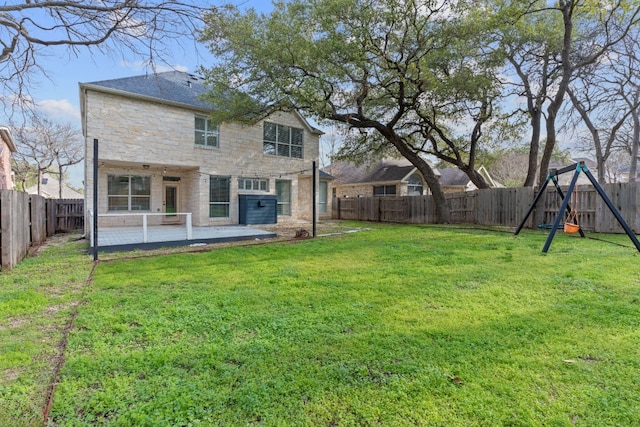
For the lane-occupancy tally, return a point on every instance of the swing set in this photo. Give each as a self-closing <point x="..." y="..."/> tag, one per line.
<point x="571" y="223"/>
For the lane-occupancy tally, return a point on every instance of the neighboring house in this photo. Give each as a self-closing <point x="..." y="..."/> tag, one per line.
<point x="159" y="153"/>
<point x="389" y="177"/>
<point x="50" y="189"/>
<point x="565" y="178"/>
<point x="7" y="146"/>
<point x="453" y="180"/>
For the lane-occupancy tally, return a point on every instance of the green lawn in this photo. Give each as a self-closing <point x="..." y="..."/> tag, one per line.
<point x="394" y="326"/>
<point x="37" y="299"/>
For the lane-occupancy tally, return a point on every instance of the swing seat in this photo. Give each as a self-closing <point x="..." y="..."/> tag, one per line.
<point x="571" y="228"/>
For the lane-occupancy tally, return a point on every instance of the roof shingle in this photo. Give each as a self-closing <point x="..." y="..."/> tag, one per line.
<point x="174" y="86"/>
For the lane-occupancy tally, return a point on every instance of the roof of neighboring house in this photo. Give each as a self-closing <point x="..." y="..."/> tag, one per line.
<point x="49" y="188"/>
<point x="453" y="176"/>
<point x="324" y="175"/>
<point x="5" y="134"/>
<point x="174" y="87"/>
<point x="387" y="170"/>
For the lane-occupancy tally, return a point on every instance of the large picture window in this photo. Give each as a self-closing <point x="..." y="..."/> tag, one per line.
<point x="219" y="197"/>
<point x="281" y="140"/>
<point x="206" y="133"/>
<point x="129" y="193"/>
<point x="283" y="194"/>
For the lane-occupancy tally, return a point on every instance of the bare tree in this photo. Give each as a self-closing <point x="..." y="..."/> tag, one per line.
<point x="28" y="29"/>
<point x="43" y="144"/>
<point x="605" y="95"/>
<point x="586" y="37"/>
<point x="548" y="44"/>
<point x="69" y="152"/>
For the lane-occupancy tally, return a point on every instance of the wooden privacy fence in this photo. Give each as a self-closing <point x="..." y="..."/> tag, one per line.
<point x="64" y="215"/>
<point x="27" y="220"/>
<point x="501" y="206"/>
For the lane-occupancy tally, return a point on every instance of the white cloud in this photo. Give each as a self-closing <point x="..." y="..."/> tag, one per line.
<point x="59" y="108"/>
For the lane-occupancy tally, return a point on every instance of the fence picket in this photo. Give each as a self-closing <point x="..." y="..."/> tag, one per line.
<point x="501" y="206"/>
<point x="27" y="220"/>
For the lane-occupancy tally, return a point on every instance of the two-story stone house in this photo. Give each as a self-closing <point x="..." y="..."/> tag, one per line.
<point x="159" y="153"/>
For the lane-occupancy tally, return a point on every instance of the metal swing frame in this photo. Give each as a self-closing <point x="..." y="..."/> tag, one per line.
<point x="564" y="206"/>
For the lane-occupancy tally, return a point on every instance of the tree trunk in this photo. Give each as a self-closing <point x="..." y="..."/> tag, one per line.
<point x="442" y="215"/>
<point x="39" y="182"/>
<point x="59" y="182"/>
<point x="477" y="178"/>
<point x="549" y="145"/>
<point x="534" y="147"/>
<point x="635" y="141"/>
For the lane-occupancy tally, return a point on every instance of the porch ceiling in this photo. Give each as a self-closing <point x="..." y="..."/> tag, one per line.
<point x="147" y="165"/>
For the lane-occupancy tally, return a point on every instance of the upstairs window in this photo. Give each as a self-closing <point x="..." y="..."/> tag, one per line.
<point x="206" y="133"/>
<point x="414" y="186"/>
<point x="281" y="140"/>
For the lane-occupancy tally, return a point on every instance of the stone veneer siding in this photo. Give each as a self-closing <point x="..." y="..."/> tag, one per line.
<point x="134" y="132"/>
<point x="366" y="190"/>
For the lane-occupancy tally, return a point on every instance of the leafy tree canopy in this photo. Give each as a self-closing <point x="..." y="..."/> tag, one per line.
<point x="396" y="72"/>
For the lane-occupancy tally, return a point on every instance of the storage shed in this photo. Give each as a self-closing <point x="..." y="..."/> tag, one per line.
<point x="258" y="209"/>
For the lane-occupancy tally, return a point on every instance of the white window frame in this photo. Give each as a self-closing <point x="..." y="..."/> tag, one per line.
<point x="283" y="203"/>
<point x="210" y="135"/>
<point x="413" y="183"/>
<point x="323" y="196"/>
<point x="253" y="184"/>
<point x="223" y="203"/>
<point x="130" y="196"/>
<point x="282" y="141"/>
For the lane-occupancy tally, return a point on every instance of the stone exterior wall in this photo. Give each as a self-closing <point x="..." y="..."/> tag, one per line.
<point x="366" y="190"/>
<point x="139" y="137"/>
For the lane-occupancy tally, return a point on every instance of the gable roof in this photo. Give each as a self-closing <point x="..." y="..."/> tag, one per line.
<point x="324" y="175"/>
<point x="170" y="87"/>
<point x="387" y="170"/>
<point x="50" y="189"/>
<point x="453" y="176"/>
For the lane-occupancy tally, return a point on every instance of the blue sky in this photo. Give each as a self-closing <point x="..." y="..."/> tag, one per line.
<point x="58" y="96"/>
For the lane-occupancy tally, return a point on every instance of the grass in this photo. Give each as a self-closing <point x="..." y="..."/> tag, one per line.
<point x="397" y="325"/>
<point x="36" y="302"/>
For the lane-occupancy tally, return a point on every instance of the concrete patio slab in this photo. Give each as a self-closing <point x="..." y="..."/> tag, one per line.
<point x="130" y="238"/>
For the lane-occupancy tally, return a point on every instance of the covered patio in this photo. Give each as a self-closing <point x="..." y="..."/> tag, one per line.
<point x="117" y="239"/>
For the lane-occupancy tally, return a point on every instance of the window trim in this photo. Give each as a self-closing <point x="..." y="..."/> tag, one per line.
<point x="283" y="206"/>
<point x="276" y="145"/>
<point x="208" y="133"/>
<point x="412" y="186"/>
<point x="384" y="190"/>
<point x="129" y="194"/>
<point x="322" y="205"/>
<point x="242" y="184"/>
<point x="226" y="203"/>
